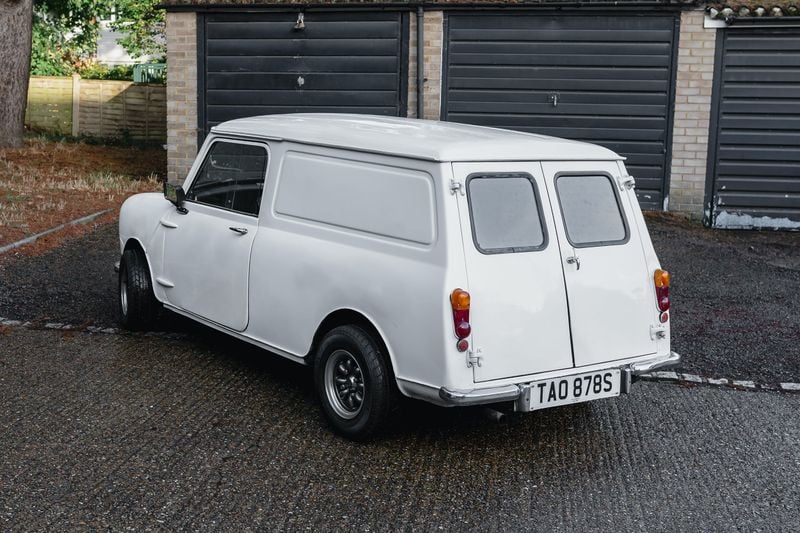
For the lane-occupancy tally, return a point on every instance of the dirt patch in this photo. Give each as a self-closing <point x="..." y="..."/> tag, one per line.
<point x="46" y="183"/>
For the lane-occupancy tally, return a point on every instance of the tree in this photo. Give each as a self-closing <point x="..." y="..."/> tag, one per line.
<point x="64" y="34"/>
<point x="15" y="64"/>
<point x="142" y="24"/>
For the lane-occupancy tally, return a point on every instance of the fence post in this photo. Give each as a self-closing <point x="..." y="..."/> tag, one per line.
<point x="76" y="103"/>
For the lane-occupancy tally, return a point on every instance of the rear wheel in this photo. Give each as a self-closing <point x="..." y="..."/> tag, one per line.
<point x="353" y="382"/>
<point x="138" y="307"/>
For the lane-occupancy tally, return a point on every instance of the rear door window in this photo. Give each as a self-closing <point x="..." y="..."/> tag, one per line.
<point x="591" y="210"/>
<point x="506" y="213"/>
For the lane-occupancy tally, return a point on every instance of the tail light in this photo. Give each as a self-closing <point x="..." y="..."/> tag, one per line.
<point x="459" y="301"/>
<point x="661" y="281"/>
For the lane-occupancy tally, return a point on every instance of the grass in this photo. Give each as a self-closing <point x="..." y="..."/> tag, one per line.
<point x="48" y="182"/>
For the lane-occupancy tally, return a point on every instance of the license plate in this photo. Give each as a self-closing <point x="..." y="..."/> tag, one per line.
<point x="575" y="389"/>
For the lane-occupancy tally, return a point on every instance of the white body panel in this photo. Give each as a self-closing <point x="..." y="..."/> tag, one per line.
<point x="611" y="296"/>
<point x="206" y="264"/>
<point x="318" y="248"/>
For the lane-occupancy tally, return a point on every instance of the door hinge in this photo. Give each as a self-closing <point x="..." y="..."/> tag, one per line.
<point x="474" y="358"/>
<point x="658" y="332"/>
<point x="456" y="186"/>
<point x="626" y="182"/>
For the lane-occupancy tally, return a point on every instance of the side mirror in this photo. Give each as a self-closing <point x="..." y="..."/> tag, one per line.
<point x="175" y="194"/>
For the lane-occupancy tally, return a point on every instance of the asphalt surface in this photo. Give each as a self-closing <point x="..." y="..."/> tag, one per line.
<point x="735" y="295"/>
<point x="140" y="432"/>
<point x="735" y="300"/>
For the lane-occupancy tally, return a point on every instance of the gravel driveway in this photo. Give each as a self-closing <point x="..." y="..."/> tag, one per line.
<point x="736" y="295"/>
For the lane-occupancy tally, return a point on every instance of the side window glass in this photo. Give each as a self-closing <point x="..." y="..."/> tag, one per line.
<point x="592" y="214"/>
<point x="231" y="177"/>
<point x="505" y="212"/>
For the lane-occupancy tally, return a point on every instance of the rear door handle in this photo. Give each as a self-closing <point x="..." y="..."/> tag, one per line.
<point x="240" y="231"/>
<point x="574" y="260"/>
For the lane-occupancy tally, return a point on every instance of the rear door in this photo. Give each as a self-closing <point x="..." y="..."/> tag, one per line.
<point x="610" y="290"/>
<point x="518" y="313"/>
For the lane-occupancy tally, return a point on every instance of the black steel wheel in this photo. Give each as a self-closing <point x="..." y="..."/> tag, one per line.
<point x="353" y="382"/>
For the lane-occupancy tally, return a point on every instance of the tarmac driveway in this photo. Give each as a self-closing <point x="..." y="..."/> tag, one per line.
<point x="736" y="295"/>
<point x="118" y="432"/>
<point x="190" y="429"/>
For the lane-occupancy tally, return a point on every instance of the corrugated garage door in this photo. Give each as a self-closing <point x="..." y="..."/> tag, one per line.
<point x="755" y="153"/>
<point x="258" y="63"/>
<point x="601" y="79"/>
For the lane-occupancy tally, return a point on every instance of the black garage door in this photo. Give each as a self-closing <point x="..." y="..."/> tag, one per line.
<point x="601" y="79"/>
<point x="755" y="142"/>
<point x="259" y="63"/>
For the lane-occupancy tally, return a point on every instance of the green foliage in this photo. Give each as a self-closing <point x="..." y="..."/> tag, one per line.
<point x="47" y="58"/>
<point x="96" y="71"/>
<point x="64" y="34"/>
<point x="142" y="25"/>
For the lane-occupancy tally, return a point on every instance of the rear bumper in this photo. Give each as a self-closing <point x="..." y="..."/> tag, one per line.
<point x="511" y="393"/>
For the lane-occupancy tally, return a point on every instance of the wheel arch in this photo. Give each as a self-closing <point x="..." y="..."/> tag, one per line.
<point x="347" y="316"/>
<point x="133" y="243"/>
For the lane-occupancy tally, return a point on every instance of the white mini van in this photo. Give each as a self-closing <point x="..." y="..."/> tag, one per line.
<point x="455" y="264"/>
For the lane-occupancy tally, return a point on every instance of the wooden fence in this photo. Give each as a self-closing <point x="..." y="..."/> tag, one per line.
<point x="97" y="108"/>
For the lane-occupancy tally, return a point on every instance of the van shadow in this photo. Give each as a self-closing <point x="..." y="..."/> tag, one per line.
<point x="414" y="420"/>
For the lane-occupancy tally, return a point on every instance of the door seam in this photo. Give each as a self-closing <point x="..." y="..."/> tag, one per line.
<point x="561" y="261"/>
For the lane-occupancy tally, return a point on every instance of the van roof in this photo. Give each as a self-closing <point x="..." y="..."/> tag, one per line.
<point x="418" y="139"/>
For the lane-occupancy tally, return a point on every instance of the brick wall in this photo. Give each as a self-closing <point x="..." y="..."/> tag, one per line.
<point x="181" y="94"/>
<point x="433" y="30"/>
<point x="692" y="114"/>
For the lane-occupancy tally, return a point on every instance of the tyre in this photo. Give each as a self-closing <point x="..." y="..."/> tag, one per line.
<point x="138" y="307"/>
<point x="354" y="382"/>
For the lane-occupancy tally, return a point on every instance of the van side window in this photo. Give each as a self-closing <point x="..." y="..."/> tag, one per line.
<point x="591" y="210"/>
<point x="505" y="212"/>
<point x="231" y="177"/>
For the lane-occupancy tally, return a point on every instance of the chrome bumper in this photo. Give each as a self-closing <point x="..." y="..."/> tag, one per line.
<point x="510" y="393"/>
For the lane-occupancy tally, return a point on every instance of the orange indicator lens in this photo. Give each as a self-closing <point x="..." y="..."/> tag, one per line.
<point x="459" y="299"/>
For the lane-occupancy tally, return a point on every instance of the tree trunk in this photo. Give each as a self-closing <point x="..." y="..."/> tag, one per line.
<point x="16" y="17"/>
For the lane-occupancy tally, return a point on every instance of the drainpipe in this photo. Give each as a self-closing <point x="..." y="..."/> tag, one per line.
<point x="420" y="63"/>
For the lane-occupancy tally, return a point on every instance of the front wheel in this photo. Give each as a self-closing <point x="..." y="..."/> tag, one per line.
<point x="353" y="382"/>
<point x="138" y="306"/>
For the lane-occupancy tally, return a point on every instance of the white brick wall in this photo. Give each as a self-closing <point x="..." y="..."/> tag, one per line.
<point x="696" y="48"/>
<point x="181" y="94"/>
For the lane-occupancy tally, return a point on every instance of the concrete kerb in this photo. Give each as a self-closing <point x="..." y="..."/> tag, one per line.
<point x="33" y="238"/>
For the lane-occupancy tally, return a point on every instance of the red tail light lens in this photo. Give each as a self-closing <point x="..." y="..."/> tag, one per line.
<point x="661" y="281"/>
<point x="459" y="301"/>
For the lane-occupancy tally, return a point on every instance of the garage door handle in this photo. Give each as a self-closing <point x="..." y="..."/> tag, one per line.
<point x="574" y="260"/>
<point x="240" y="231"/>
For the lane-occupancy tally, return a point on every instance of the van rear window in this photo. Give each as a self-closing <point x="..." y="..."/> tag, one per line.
<point x="506" y="214"/>
<point x="591" y="210"/>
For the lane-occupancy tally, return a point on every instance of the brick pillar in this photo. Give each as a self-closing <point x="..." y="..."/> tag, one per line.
<point x="181" y="94"/>
<point x="412" y="66"/>
<point x="433" y="29"/>
<point x="696" y="49"/>
<point x="434" y="40"/>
